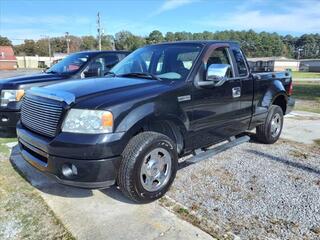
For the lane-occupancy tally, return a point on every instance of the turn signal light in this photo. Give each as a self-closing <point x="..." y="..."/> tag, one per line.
<point x="107" y="119"/>
<point x="19" y="95"/>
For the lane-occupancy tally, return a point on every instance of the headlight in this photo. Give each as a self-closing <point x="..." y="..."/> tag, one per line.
<point x="11" y="96"/>
<point x="88" y="121"/>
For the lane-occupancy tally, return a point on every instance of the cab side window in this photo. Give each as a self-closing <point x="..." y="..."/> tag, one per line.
<point x="221" y="56"/>
<point x="241" y="64"/>
<point x="101" y="65"/>
<point x="175" y="64"/>
<point x="110" y="61"/>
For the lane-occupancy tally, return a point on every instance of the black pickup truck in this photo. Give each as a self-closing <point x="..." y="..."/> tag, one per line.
<point x="160" y="103"/>
<point x="77" y="65"/>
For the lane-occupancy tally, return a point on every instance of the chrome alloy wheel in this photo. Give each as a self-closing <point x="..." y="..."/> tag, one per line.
<point x="276" y="125"/>
<point x="156" y="169"/>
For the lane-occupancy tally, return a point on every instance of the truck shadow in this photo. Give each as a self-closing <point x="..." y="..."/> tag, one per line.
<point x="115" y="193"/>
<point x="47" y="185"/>
<point x="304" y="167"/>
<point x="8" y="133"/>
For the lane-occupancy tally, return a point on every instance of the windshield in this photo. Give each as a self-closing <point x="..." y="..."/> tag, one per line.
<point x="70" y="64"/>
<point x="170" y="62"/>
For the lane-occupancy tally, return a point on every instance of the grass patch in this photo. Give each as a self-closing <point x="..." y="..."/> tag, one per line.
<point x="317" y="141"/>
<point x="307" y="105"/>
<point x="299" y="154"/>
<point x="306" y="91"/>
<point x="307" y="95"/>
<point x="23" y="213"/>
<point x="305" y="74"/>
<point x="3" y="148"/>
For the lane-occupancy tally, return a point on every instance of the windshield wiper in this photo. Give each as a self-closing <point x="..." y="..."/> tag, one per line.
<point x="51" y="71"/>
<point x="141" y="75"/>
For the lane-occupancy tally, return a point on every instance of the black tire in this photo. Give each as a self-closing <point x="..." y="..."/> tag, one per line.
<point x="133" y="157"/>
<point x="264" y="132"/>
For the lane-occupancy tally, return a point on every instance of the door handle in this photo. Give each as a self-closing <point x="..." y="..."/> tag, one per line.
<point x="236" y="92"/>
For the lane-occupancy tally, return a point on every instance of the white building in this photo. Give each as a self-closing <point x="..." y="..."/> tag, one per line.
<point x="37" y="61"/>
<point x="271" y="64"/>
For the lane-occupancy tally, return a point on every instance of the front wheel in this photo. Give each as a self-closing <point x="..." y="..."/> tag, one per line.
<point x="270" y="131"/>
<point x="148" y="167"/>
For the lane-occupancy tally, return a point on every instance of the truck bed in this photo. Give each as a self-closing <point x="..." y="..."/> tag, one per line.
<point x="285" y="77"/>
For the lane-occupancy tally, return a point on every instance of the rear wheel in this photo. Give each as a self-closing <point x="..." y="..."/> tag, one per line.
<point x="148" y="167"/>
<point x="270" y="131"/>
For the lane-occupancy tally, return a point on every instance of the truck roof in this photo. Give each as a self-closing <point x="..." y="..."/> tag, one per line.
<point x="107" y="51"/>
<point x="202" y="42"/>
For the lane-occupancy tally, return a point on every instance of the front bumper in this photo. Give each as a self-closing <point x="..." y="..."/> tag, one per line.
<point x="290" y="104"/>
<point x="78" y="172"/>
<point x="9" y="119"/>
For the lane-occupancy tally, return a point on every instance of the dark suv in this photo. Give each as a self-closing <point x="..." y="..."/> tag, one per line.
<point x="77" y="65"/>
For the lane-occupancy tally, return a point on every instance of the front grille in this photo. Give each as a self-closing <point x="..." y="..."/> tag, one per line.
<point x="41" y="115"/>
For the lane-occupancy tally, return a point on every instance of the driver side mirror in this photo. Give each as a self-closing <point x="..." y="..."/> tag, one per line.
<point x="216" y="75"/>
<point x="45" y="69"/>
<point x="93" y="70"/>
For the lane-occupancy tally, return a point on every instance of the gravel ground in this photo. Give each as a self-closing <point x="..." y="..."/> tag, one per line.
<point x="255" y="191"/>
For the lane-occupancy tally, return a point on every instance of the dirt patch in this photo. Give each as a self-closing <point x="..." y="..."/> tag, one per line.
<point x="191" y="216"/>
<point x="308" y="105"/>
<point x="317" y="141"/>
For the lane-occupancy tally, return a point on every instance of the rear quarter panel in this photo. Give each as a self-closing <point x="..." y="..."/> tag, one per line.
<point x="267" y="87"/>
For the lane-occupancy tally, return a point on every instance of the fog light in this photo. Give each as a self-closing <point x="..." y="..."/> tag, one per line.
<point x="69" y="170"/>
<point x="4" y="119"/>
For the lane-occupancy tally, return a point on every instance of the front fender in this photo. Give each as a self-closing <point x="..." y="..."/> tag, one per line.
<point x="153" y="112"/>
<point x="135" y="116"/>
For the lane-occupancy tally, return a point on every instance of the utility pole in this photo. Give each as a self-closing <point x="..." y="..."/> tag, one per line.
<point x="299" y="52"/>
<point x="99" y="30"/>
<point x="68" y="42"/>
<point x="49" y="43"/>
<point x="49" y="47"/>
<point x="113" y="44"/>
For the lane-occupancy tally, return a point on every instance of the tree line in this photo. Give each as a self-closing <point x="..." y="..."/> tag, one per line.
<point x="254" y="44"/>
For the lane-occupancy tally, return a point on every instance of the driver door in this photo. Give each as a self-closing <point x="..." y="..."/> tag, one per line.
<point x="216" y="108"/>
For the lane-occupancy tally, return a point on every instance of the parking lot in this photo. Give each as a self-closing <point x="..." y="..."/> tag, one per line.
<point x="18" y="72"/>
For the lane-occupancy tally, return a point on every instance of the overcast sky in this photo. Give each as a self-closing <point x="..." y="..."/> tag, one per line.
<point x="21" y="19"/>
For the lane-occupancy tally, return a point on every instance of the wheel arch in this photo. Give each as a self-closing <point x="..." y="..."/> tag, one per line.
<point x="146" y="118"/>
<point x="281" y="100"/>
<point x="171" y="127"/>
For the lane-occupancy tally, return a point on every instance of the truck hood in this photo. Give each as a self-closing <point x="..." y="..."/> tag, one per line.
<point x="90" y="88"/>
<point x="27" y="79"/>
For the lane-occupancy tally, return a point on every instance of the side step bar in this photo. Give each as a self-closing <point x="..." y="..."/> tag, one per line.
<point x="200" y="155"/>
